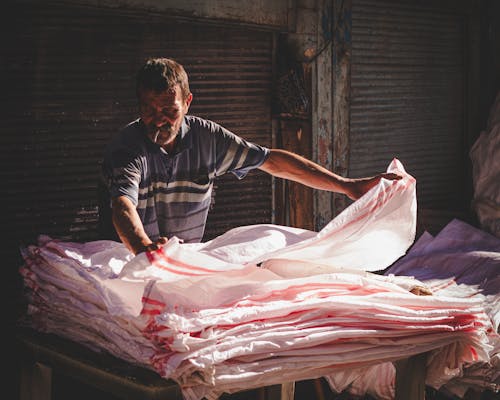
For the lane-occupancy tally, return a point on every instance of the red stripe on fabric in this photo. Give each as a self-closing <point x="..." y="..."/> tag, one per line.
<point x="150" y="256"/>
<point x="474" y="353"/>
<point x="158" y="265"/>
<point x="150" y="312"/>
<point x="179" y="263"/>
<point x="158" y="257"/>
<point x="444" y="285"/>
<point x="375" y="202"/>
<point x="148" y="300"/>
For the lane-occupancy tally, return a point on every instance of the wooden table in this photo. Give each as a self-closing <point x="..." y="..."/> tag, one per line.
<point x="41" y="354"/>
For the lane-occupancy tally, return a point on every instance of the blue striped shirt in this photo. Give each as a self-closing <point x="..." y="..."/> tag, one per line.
<point x="172" y="191"/>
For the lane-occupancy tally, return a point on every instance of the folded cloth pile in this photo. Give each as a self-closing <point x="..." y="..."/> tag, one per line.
<point x="461" y="262"/>
<point x="66" y="296"/>
<point x="262" y="304"/>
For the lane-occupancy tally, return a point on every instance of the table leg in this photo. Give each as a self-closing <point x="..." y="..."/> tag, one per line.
<point x="35" y="382"/>
<point x="410" y="377"/>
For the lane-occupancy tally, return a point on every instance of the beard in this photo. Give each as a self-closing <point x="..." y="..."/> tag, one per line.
<point x="163" y="134"/>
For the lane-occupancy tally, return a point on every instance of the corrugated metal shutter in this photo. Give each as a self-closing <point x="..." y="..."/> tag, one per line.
<point x="407" y="82"/>
<point x="71" y="86"/>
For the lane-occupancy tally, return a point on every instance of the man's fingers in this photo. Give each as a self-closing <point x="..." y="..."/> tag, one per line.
<point x="152" y="247"/>
<point x="156" y="245"/>
<point x="162" y="240"/>
<point x="391" y="176"/>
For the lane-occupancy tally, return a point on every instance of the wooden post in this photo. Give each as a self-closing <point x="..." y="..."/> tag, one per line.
<point x="341" y="87"/>
<point x="287" y="391"/>
<point x="410" y="377"/>
<point x="296" y="137"/>
<point x="322" y="111"/>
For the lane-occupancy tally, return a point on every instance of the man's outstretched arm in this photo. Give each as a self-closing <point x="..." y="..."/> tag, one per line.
<point x="291" y="166"/>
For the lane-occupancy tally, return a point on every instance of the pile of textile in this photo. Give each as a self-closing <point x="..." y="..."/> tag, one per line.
<point x="462" y="262"/>
<point x="485" y="157"/>
<point x="266" y="304"/>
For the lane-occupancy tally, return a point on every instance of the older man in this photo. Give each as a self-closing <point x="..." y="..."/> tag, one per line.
<point x="160" y="169"/>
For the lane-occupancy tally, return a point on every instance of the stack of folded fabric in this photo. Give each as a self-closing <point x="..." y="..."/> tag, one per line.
<point x="271" y="330"/>
<point x="462" y="262"/>
<point x="262" y="304"/>
<point x="63" y="282"/>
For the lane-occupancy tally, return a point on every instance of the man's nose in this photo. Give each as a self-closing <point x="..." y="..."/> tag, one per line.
<point x="163" y="118"/>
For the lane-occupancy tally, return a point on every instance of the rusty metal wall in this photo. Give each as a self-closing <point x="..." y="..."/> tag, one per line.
<point x="272" y="14"/>
<point x="408" y="91"/>
<point x="71" y="86"/>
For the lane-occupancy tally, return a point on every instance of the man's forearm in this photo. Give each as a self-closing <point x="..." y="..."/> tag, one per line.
<point x="129" y="226"/>
<point x="291" y="166"/>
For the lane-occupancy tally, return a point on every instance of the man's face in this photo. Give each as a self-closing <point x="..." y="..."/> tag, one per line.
<point x="163" y="113"/>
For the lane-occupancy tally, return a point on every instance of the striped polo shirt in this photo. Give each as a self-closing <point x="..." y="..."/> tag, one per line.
<point x="172" y="191"/>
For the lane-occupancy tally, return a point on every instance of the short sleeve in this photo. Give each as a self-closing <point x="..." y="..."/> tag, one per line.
<point x="237" y="155"/>
<point x="122" y="174"/>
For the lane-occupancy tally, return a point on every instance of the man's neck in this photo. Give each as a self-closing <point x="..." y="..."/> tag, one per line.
<point x="169" y="147"/>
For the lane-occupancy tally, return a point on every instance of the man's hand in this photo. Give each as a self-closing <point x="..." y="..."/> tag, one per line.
<point x="355" y="188"/>
<point x="129" y="227"/>
<point x="154" y="245"/>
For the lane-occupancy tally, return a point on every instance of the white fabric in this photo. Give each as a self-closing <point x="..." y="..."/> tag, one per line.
<point x="368" y="236"/>
<point x="485" y="157"/>
<point x="462" y="262"/>
<point x="208" y="317"/>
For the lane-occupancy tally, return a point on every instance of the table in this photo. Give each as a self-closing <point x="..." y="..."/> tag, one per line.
<point x="41" y="354"/>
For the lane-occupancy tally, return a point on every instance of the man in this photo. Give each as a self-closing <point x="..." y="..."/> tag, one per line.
<point x="160" y="169"/>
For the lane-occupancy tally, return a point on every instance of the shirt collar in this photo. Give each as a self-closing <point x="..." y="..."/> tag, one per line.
<point x="183" y="140"/>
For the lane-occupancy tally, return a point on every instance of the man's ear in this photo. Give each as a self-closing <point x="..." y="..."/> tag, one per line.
<point x="189" y="100"/>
